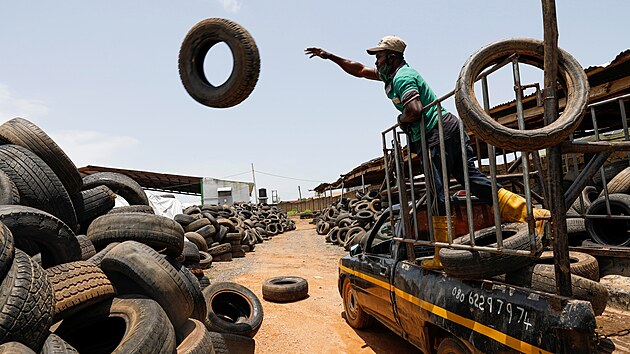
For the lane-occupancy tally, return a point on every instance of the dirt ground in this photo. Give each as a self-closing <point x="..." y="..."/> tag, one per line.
<point x="312" y="325"/>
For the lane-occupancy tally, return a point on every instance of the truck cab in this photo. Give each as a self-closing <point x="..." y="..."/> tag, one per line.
<point x="442" y="314"/>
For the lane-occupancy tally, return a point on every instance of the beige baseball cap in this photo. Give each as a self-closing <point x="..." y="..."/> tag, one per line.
<point x="393" y="43"/>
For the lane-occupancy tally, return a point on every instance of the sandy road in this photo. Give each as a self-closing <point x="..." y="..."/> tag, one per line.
<point x="312" y="325"/>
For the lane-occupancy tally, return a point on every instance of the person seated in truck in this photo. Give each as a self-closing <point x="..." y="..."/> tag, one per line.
<point x="410" y="93"/>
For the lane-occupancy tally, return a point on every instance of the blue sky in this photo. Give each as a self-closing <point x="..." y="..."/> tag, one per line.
<point x="101" y="78"/>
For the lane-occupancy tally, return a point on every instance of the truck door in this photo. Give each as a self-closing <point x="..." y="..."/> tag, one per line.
<point x="376" y="267"/>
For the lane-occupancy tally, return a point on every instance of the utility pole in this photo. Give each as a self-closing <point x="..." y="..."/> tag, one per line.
<point x="254" y="179"/>
<point x="299" y="193"/>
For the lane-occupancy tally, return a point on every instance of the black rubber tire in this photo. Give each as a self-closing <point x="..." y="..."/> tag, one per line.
<point x="620" y="183"/>
<point x="120" y="184"/>
<point x="341" y="235"/>
<point x="197" y="224"/>
<point x="56" y="345"/>
<point x="576" y="227"/>
<point x="93" y="203"/>
<point x="609" y="232"/>
<point x="333" y="235"/>
<point x="9" y="193"/>
<point x="468" y="264"/>
<point x="200" y="308"/>
<point x="285" y="289"/>
<point x="220" y="249"/>
<point x="125" y="324"/>
<point x="581" y="264"/>
<point x="353" y="237"/>
<point x="196" y="338"/>
<point x="353" y="313"/>
<point x="156" y="231"/>
<point x="20" y="131"/>
<point x="53" y="238"/>
<point x="15" y="348"/>
<point x="610" y="171"/>
<point x="225" y="343"/>
<point x="87" y="248"/>
<point x="364" y="216"/>
<point x="190" y="252"/>
<point x="198" y="240"/>
<point x="7" y="250"/>
<point x="246" y="64"/>
<point x="135" y="268"/>
<point x="207" y="231"/>
<point x="77" y="285"/>
<point x="539" y="277"/>
<point x="98" y="257"/>
<point x="37" y="184"/>
<point x="205" y="260"/>
<point x="146" y="209"/>
<point x="204" y="282"/>
<point x="225" y="257"/>
<point x="589" y="194"/>
<point x="233" y="308"/>
<point x="451" y="345"/>
<point x="530" y="51"/>
<point x="184" y="219"/>
<point x="26" y="303"/>
<point x="272" y="229"/>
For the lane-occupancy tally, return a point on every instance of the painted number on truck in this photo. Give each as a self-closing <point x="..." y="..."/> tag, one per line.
<point x="513" y="313"/>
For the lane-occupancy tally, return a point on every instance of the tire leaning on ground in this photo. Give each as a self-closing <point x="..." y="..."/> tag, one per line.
<point x="26" y="303"/>
<point x="609" y="232"/>
<point x="530" y="51"/>
<point x="468" y="264"/>
<point x="246" y="63"/>
<point x="233" y="309"/>
<point x="125" y="324"/>
<point x="354" y="314"/>
<point x="285" y="289"/>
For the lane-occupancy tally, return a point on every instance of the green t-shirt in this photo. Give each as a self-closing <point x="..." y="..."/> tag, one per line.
<point x="406" y="85"/>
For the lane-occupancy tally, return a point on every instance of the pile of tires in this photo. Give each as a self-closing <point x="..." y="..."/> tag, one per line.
<point x="345" y="223"/>
<point x="220" y="232"/>
<point x="123" y="285"/>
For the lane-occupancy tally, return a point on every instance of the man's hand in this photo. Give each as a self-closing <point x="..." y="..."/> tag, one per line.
<point x="316" y="52"/>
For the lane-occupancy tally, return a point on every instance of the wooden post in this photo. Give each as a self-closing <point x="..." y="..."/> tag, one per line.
<point x="558" y="224"/>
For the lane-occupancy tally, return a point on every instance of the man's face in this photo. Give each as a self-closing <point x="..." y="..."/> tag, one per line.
<point x="381" y="58"/>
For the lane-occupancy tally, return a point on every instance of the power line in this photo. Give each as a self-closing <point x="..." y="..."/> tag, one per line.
<point x="297" y="179"/>
<point x="238" y="174"/>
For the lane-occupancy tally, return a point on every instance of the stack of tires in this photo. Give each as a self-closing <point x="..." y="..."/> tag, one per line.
<point x="118" y="287"/>
<point x="346" y="222"/>
<point x="221" y="233"/>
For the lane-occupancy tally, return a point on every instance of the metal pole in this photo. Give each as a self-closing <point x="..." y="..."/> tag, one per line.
<point x="445" y="176"/>
<point x="493" y="170"/>
<point x="254" y="178"/>
<point x="624" y="122"/>
<point x="299" y="193"/>
<point x="558" y="208"/>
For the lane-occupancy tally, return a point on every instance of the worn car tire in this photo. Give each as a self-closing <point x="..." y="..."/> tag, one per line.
<point x="530" y="51"/>
<point x="196" y="338"/>
<point x="220" y="249"/>
<point x="9" y="193"/>
<point x="54" y="239"/>
<point x="581" y="264"/>
<point x="37" y="184"/>
<point x="26" y="303"/>
<point x="198" y="240"/>
<point x="246" y="65"/>
<point x="124" y="324"/>
<point x="135" y="268"/>
<point x="233" y="308"/>
<point x="605" y="231"/>
<point x="146" y="209"/>
<point x="225" y="343"/>
<point x="7" y="250"/>
<point x="77" y="285"/>
<point x="468" y="264"/>
<point x="93" y="203"/>
<point x="15" y="348"/>
<point x="120" y="184"/>
<point x="20" y="131"/>
<point x="56" y="345"/>
<point x="156" y="231"/>
<point x="285" y="289"/>
<point x="87" y="248"/>
<point x="620" y="183"/>
<point x="98" y="257"/>
<point x="540" y="277"/>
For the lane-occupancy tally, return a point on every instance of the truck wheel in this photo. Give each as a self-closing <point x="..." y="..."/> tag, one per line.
<point x="469" y="264"/>
<point x="452" y="345"/>
<point x="192" y="53"/>
<point x="355" y="316"/>
<point x="530" y="51"/>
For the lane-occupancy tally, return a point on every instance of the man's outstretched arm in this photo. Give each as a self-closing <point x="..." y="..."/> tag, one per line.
<point x="351" y="67"/>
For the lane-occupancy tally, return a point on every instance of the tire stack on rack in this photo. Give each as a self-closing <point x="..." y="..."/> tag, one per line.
<point x="119" y="287"/>
<point x="346" y="222"/>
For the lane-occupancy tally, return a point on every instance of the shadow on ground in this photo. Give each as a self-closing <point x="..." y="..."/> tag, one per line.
<point x="383" y="341"/>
